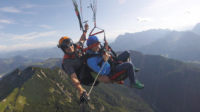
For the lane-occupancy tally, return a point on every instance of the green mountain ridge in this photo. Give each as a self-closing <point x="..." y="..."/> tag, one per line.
<point x="50" y="90"/>
<point x="170" y="85"/>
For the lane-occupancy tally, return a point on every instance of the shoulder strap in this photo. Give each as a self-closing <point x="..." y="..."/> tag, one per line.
<point x="92" y="55"/>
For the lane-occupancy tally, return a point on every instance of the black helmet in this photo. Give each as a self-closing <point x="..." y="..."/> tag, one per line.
<point x="65" y="42"/>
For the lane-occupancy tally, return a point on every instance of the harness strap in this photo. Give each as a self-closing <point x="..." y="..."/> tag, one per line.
<point x="78" y="14"/>
<point x="67" y="56"/>
<point x="96" y="33"/>
<point x="117" y="74"/>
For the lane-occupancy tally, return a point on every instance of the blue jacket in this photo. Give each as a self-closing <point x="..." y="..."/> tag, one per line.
<point x="94" y="61"/>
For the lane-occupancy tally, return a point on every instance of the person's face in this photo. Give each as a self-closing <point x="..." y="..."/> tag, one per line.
<point x="96" y="48"/>
<point x="70" y="49"/>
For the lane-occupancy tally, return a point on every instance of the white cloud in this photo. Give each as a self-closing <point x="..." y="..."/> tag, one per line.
<point x="5" y="21"/>
<point x="27" y="6"/>
<point x="34" y="35"/>
<point x="171" y="14"/>
<point x="13" y="42"/>
<point x="10" y="10"/>
<point x="6" y="36"/>
<point x="121" y="1"/>
<point x="142" y="19"/>
<point x="26" y="46"/>
<point x="187" y="12"/>
<point x="45" y="26"/>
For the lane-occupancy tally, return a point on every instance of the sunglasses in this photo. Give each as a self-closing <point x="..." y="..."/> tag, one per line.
<point x="68" y="43"/>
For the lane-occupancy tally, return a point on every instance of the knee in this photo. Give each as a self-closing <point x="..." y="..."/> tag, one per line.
<point x="129" y="65"/>
<point x="124" y="56"/>
<point x="127" y="52"/>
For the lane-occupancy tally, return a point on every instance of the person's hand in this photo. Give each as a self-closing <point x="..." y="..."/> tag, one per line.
<point x="81" y="91"/>
<point x="84" y="97"/>
<point x="83" y="36"/>
<point x="86" y="26"/>
<point x="106" y="56"/>
<point x="106" y="45"/>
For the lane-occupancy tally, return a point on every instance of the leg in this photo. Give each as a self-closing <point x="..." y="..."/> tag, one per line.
<point x="131" y="74"/>
<point x="124" y="56"/>
<point x="128" y="67"/>
<point x="104" y="79"/>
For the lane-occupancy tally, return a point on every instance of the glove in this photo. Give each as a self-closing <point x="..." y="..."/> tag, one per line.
<point x="84" y="97"/>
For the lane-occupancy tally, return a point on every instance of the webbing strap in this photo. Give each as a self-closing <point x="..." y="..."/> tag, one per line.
<point x="117" y="74"/>
<point x="96" y="33"/>
<point x="101" y="31"/>
<point x="66" y="56"/>
<point x="78" y="14"/>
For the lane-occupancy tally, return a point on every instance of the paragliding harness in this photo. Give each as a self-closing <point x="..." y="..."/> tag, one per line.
<point x="84" y="74"/>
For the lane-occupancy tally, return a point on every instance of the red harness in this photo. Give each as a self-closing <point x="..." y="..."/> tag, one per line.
<point x="117" y="75"/>
<point x="67" y="56"/>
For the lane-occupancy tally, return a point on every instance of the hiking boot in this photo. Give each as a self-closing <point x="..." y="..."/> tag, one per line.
<point x="138" y="85"/>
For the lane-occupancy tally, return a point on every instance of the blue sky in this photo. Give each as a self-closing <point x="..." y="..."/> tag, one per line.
<point x="27" y="24"/>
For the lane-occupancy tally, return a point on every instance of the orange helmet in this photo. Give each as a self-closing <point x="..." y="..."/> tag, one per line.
<point x="65" y="42"/>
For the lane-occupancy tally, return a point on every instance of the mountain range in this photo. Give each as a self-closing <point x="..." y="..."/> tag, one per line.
<point x="133" y="41"/>
<point x="170" y="86"/>
<point x="40" y="53"/>
<point x="9" y="64"/>
<point x="177" y="45"/>
<point x="181" y="45"/>
<point x="196" y="29"/>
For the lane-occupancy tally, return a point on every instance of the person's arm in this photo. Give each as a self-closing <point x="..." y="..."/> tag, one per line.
<point x="93" y="64"/>
<point x="77" y="83"/>
<point x="70" y="71"/>
<point x="83" y="36"/>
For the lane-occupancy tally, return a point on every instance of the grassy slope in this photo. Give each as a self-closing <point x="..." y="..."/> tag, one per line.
<point x="51" y="91"/>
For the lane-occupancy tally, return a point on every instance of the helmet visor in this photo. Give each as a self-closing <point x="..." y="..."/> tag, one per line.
<point x="67" y="43"/>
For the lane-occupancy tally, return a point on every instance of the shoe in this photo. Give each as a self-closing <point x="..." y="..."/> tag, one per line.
<point x="138" y="85"/>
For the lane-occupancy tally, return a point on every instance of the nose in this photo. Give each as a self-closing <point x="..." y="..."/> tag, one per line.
<point x="72" y="48"/>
